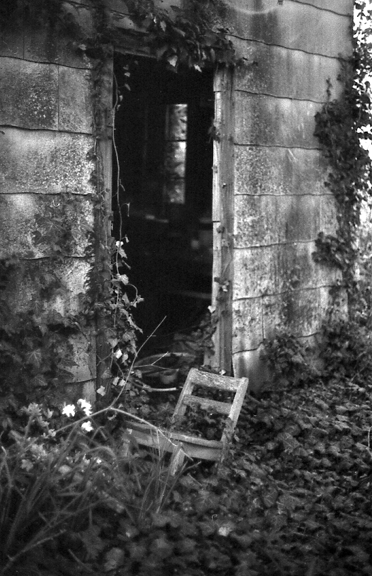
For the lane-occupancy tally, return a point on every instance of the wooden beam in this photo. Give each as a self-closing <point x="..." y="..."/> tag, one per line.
<point x="223" y="216"/>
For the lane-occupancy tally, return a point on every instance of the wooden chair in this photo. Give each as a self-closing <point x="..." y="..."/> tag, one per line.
<point x="183" y="445"/>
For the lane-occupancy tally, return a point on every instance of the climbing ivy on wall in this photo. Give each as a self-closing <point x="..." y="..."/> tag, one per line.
<point x="341" y="126"/>
<point x="185" y="37"/>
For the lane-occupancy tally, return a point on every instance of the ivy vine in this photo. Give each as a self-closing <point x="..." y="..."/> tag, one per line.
<point x="185" y="36"/>
<point x="341" y="127"/>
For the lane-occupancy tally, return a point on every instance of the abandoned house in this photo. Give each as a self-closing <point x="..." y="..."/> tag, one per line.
<point x="214" y="175"/>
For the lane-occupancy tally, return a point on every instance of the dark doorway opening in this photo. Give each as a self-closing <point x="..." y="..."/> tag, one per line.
<point x="163" y="140"/>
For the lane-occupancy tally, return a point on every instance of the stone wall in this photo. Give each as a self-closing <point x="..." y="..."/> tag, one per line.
<point x="46" y="147"/>
<point x="280" y="201"/>
<point x="269" y="201"/>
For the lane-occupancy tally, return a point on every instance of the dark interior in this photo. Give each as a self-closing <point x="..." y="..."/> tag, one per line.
<point x="165" y="157"/>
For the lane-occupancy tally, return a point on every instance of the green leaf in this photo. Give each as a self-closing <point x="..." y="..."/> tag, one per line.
<point x="92" y="542"/>
<point x="161" y="548"/>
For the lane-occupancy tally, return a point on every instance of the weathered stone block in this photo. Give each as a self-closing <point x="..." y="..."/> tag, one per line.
<point x="269" y="270"/>
<point x="74" y="391"/>
<point x="297" y="218"/>
<point x="332" y="304"/>
<point x="291" y="25"/>
<point x="328" y="214"/>
<point x="11" y="42"/>
<point x="251" y="364"/>
<point x="277" y="71"/>
<point x="83" y="356"/>
<point x="294" y="311"/>
<point x="29" y="94"/>
<point x="261" y="170"/>
<point x="254" y="272"/>
<point x="31" y="225"/>
<point x="64" y="282"/>
<point x="327" y="275"/>
<point x="69" y="53"/>
<point x="45" y="162"/>
<point x="264" y="220"/>
<point x="294" y="267"/>
<point x="51" y="44"/>
<point x="75" y="100"/>
<point x="268" y="121"/>
<point x="41" y="44"/>
<point x="255" y="221"/>
<point x="247" y="324"/>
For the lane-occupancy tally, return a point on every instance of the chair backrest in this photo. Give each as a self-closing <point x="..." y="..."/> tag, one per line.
<point x="196" y="377"/>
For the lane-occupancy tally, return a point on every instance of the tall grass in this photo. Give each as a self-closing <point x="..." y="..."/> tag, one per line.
<point x="49" y="487"/>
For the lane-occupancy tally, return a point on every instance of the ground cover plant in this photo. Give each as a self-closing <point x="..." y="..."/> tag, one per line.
<point x="293" y="497"/>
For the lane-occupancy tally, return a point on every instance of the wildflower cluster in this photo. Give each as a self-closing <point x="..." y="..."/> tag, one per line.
<point x="83" y="409"/>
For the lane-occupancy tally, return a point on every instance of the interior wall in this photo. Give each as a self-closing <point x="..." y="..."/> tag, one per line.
<point x="46" y="147"/>
<point x="280" y="201"/>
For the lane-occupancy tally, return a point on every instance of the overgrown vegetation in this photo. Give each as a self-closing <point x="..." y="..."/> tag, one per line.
<point x="63" y="477"/>
<point x="78" y="497"/>
<point x="341" y="126"/>
<point x="292" y="498"/>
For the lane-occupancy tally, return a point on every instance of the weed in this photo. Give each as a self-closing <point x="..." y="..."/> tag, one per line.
<point x="53" y="483"/>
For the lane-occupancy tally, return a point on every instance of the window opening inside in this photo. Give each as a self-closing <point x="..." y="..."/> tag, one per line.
<point x="165" y="155"/>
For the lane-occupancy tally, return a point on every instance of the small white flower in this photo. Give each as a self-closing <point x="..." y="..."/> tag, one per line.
<point x="101" y="391"/>
<point x="69" y="410"/>
<point x="38" y="451"/>
<point x="225" y="529"/>
<point x="32" y="409"/>
<point x="85" y="406"/>
<point x="64" y="469"/>
<point x="87" y="426"/>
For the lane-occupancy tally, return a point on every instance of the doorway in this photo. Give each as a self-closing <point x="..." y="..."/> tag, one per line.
<point x="164" y="151"/>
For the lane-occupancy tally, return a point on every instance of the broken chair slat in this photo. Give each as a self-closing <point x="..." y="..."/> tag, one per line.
<point x="211" y="380"/>
<point x="206" y="403"/>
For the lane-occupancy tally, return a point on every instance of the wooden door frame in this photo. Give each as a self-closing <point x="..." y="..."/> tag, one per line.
<point x="222" y="208"/>
<point x="223" y="216"/>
